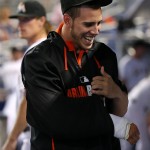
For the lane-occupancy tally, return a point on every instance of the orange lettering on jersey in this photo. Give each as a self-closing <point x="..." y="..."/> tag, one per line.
<point x="82" y="91"/>
<point x="77" y="92"/>
<point x="69" y="93"/>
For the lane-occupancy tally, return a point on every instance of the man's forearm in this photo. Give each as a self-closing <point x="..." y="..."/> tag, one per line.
<point x="120" y="104"/>
<point x="19" y="126"/>
<point x="21" y="122"/>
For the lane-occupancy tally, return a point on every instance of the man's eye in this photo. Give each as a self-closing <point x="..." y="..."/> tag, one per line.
<point x="88" y="24"/>
<point x="99" y="23"/>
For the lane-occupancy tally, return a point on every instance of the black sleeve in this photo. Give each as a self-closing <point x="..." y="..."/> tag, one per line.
<point x="52" y="112"/>
<point x="109" y="60"/>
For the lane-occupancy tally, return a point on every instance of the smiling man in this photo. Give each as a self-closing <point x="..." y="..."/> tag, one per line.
<point x="72" y="83"/>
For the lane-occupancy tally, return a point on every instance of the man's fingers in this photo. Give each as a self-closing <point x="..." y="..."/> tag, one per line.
<point x="134" y="134"/>
<point x="133" y="139"/>
<point x="103" y="73"/>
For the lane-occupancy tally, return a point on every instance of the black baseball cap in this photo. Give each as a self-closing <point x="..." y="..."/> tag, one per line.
<point x="67" y="4"/>
<point x="29" y="9"/>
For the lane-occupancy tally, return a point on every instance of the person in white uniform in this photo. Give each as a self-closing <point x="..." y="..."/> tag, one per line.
<point x="9" y="73"/>
<point x="134" y="66"/>
<point x="138" y="111"/>
<point x="34" y="27"/>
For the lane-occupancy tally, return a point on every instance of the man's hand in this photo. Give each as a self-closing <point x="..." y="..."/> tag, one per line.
<point x="134" y="134"/>
<point x="104" y="85"/>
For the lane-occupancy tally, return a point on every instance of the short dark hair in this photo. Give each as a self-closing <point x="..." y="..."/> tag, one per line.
<point x="140" y="42"/>
<point x="74" y="12"/>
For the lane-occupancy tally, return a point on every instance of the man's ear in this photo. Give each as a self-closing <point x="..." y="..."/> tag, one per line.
<point x="67" y="20"/>
<point x="42" y="20"/>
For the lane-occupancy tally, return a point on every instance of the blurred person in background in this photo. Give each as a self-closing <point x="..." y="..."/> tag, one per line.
<point x="34" y="27"/>
<point x="2" y="94"/>
<point x="9" y="73"/>
<point x="134" y="66"/>
<point x="56" y="16"/>
<point x="138" y="112"/>
<point x="8" y="30"/>
<point x="148" y="122"/>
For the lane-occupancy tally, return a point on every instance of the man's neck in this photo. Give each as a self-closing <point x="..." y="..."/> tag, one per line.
<point x="65" y="33"/>
<point x="36" y="38"/>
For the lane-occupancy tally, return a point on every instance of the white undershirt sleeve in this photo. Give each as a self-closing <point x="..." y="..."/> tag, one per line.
<point x="121" y="127"/>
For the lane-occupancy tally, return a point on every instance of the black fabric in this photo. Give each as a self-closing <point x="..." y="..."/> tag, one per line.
<point x="40" y="141"/>
<point x="29" y="9"/>
<point x="67" y="4"/>
<point x="51" y="113"/>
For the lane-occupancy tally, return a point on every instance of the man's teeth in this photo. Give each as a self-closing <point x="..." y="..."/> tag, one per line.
<point x="89" y="38"/>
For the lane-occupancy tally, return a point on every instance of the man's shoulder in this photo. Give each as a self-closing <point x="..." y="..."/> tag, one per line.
<point x="104" y="50"/>
<point x="48" y="46"/>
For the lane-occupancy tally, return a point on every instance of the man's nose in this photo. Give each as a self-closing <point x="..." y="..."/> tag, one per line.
<point x="95" y="30"/>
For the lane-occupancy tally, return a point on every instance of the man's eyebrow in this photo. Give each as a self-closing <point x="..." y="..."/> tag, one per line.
<point x="92" y="23"/>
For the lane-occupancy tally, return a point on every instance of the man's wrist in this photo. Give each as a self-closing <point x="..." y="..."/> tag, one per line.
<point x="121" y="126"/>
<point x="127" y="131"/>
